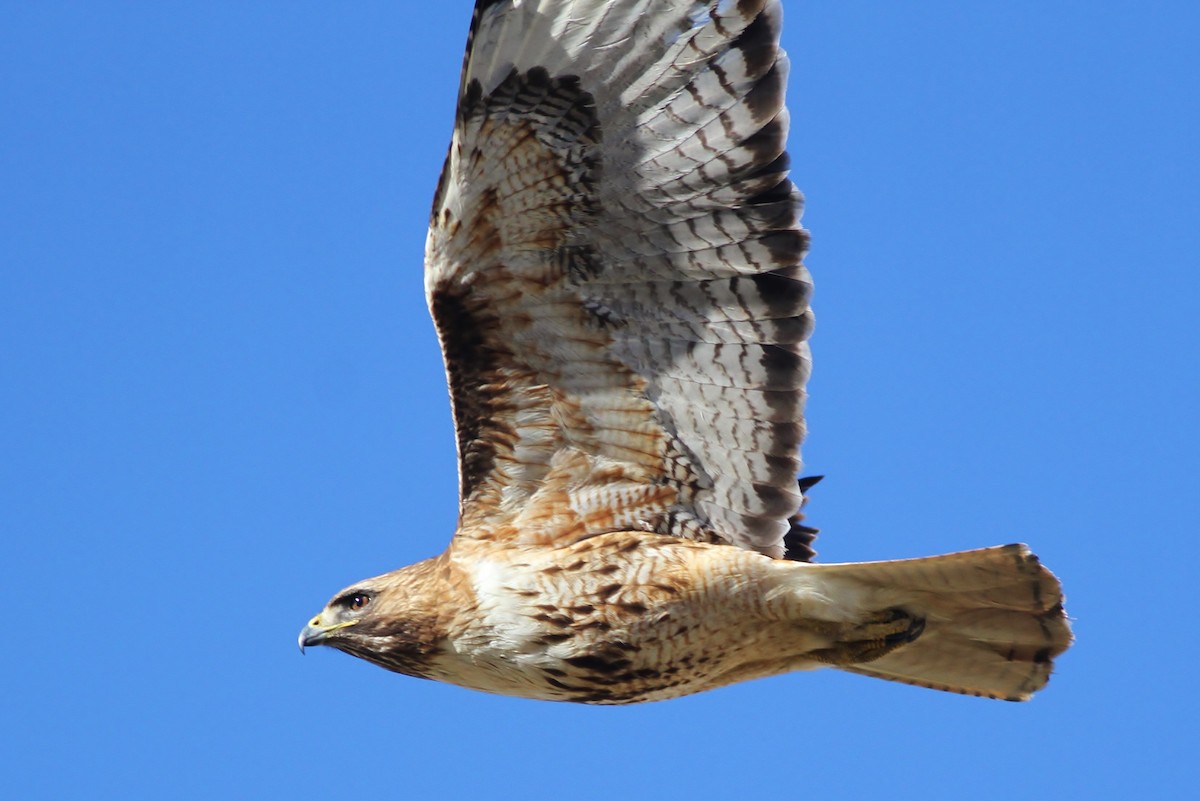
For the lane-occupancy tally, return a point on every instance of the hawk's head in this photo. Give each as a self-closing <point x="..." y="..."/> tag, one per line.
<point x="389" y="620"/>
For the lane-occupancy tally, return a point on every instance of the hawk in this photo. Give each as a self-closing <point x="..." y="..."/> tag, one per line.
<point x="614" y="267"/>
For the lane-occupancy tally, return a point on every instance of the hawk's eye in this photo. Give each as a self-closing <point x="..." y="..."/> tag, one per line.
<point x="359" y="600"/>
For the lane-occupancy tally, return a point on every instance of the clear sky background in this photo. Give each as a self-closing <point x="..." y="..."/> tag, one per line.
<point x="223" y="401"/>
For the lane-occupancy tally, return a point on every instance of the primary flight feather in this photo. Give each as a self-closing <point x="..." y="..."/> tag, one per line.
<point x="614" y="267"/>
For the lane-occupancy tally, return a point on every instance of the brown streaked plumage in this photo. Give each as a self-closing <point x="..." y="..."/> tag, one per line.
<point x="614" y="269"/>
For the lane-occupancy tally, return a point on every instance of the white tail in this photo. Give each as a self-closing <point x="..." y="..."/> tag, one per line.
<point x="994" y="620"/>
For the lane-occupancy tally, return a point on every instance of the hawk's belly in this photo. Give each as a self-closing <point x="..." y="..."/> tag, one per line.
<point x="607" y="622"/>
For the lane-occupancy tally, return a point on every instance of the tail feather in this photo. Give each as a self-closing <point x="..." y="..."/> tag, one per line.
<point x="994" y="620"/>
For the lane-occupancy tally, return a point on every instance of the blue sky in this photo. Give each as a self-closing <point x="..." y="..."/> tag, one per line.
<point x="223" y="400"/>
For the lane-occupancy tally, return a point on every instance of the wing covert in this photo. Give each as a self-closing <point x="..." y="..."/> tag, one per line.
<point x="614" y="268"/>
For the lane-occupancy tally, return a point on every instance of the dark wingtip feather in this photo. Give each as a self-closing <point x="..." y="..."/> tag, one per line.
<point x="808" y="482"/>
<point x="798" y="541"/>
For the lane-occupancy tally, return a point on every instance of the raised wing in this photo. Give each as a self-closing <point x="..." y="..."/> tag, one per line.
<point x="614" y="268"/>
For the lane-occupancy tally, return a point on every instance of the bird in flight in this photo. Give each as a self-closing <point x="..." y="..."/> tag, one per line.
<point x="614" y="267"/>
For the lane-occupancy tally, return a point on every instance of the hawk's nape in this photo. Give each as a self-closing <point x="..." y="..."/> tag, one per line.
<point x="614" y="266"/>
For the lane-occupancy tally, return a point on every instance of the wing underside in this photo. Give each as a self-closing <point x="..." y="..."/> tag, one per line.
<point x="614" y="268"/>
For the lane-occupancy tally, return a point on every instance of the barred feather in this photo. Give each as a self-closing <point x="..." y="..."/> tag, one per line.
<point x="616" y="227"/>
<point x="994" y="619"/>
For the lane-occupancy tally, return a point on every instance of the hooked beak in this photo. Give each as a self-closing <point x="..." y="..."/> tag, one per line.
<point x="316" y="633"/>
